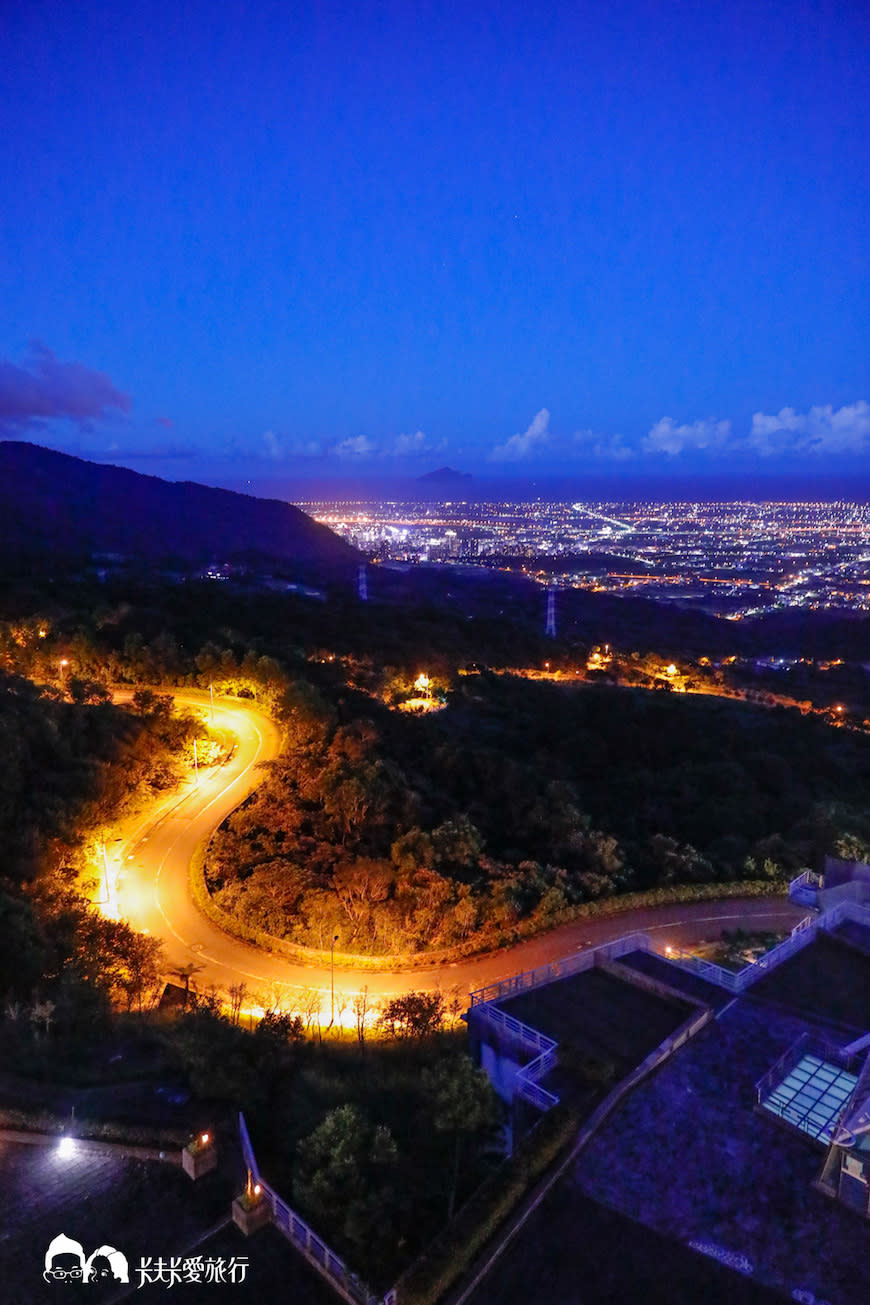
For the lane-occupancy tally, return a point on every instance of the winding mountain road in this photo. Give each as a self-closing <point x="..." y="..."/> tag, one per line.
<point x="149" y="876"/>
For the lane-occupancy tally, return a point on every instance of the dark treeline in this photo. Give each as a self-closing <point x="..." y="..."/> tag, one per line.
<point x="495" y="619"/>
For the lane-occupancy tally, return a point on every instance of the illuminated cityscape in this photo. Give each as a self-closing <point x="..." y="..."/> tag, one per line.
<point x="732" y="560"/>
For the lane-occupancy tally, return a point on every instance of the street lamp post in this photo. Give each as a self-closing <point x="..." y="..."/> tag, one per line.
<point x="332" y="980"/>
<point x="195" y="764"/>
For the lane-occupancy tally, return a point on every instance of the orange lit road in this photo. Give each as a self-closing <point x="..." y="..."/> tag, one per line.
<point x="151" y="868"/>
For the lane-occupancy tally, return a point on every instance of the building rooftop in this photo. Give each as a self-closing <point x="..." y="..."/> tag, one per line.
<point x="601" y="1014"/>
<point x="143" y="1208"/>
<point x="811" y="1096"/>
<point x="827" y="982"/>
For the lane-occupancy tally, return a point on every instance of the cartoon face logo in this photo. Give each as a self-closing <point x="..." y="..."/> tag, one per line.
<point x="107" y="1265"/>
<point x="65" y="1262"/>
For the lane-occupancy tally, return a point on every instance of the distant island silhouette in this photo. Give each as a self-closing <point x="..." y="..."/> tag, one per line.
<point x="444" y="476"/>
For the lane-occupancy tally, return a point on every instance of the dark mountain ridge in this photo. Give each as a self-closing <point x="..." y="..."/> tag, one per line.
<point x="55" y="505"/>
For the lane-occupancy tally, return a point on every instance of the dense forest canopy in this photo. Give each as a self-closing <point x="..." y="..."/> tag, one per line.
<point x="522" y="799"/>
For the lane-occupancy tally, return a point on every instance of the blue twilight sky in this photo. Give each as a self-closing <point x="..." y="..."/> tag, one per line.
<point x="269" y="243"/>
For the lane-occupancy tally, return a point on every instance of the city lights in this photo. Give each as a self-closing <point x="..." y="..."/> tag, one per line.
<point x="733" y="560"/>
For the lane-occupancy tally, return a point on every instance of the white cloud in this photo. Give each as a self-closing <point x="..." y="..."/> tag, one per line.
<point x="277" y="447"/>
<point x="358" y="446"/>
<point x="274" y="447"/>
<point x="521" y="446"/>
<point x="667" y="437"/>
<point x="413" y="445"/>
<point x="612" y="447"/>
<point x="821" y="430"/>
<point x="306" y="449"/>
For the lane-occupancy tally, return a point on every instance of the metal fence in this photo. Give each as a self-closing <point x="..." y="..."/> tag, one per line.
<point x="305" y="1239"/>
<point x="546" y="1049"/>
<point x="561" y="969"/>
<point x="805" y="888"/>
<point x="532" y="1041"/>
<point x="547" y="1058"/>
<point x="528" y="1086"/>
<point x="801" y="935"/>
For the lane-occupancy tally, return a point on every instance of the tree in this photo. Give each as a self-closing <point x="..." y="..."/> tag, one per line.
<point x="360" y="1007"/>
<point x="347" y="1165"/>
<point x="219" y="1058"/>
<point x="141" y="967"/>
<point x="413" y="1015"/>
<point x="42" y="1012"/>
<point x="462" y="1105"/>
<point x="186" y="973"/>
<point x="311" y="1004"/>
<point x="22" y="947"/>
<point x="342" y="999"/>
<point x="236" y="993"/>
<point x="89" y="692"/>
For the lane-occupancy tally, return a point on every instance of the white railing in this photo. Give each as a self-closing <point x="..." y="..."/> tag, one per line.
<point x="856" y="891"/>
<point x="737" y="981"/>
<point x="527" y="1079"/>
<point x="808" y="880"/>
<point x="801" y="935"/>
<point x="305" y="1239"/>
<point x="708" y="970"/>
<point x="482" y="1002"/>
<point x="530" y="1038"/>
<point x="536" y="1095"/>
<point x="561" y="969"/>
<point x="844" y="910"/>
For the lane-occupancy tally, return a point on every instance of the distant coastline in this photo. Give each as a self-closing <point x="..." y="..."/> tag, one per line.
<point x="569" y="489"/>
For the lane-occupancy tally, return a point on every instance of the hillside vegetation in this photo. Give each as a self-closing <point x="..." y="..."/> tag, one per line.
<point x="401" y="832"/>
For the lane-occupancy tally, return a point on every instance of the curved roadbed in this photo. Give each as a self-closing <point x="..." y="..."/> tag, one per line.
<point x="153" y="893"/>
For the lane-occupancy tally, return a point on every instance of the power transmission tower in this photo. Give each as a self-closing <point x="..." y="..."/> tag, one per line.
<point x="363" y="585"/>
<point x="551" y="613"/>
